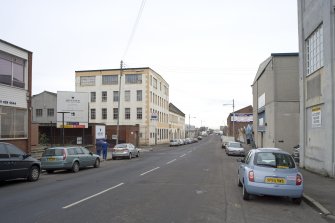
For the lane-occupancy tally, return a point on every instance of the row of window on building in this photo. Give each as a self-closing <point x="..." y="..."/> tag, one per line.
<point x="111" y="79"/>
<point x="127" y="113"/>
<point x="127" y="96"/>
<point x="161" y="134"/>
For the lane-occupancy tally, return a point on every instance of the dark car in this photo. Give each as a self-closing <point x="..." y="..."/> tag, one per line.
<point x="16" y="164"/>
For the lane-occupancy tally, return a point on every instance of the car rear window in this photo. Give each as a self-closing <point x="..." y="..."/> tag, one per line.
<point x="121" y="146"/>
<point x="53" y="152"/>
<point x="235" y="145"/>
<point x="273" y="159"/>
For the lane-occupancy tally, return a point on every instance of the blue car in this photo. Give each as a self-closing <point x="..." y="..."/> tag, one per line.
<point x="270" y="171"/>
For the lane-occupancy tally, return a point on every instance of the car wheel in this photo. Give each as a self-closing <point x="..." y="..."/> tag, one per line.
<point x="297" y="200"/>
<point x="129" y="157"/>
<point x="75" y="167"/>
<point x="246" y="195"/>
<point x="138" y="154"/>
<point x="238" y="180"/>
<point x="97" y="163"/>
<point x="34" y="173"/>
<point x="50" y="171"/>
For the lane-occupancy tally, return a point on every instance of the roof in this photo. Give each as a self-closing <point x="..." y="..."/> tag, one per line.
<point x="265" y="63"/>
<point x="15" y="46"/>
<point x="174" y="109"/>
<point x="46" y="92"/>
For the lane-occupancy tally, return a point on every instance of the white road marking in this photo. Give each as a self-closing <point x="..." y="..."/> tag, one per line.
<point x="94" y="195"/>
<point x="190" y="151"/>
<point x="149" y="171"/>
<point x="171" y="161"/>
<point x="182" y="155"/>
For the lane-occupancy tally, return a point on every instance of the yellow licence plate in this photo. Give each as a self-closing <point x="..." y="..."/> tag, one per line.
<point x="52" y="159"/>
<point x="275" y="180"/>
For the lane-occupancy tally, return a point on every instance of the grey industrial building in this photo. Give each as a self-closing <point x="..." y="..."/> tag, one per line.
<point x="317" y="85"/>
<point x="276" y="102"/>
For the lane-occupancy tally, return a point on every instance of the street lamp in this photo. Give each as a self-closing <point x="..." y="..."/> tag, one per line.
<point x="63" y="123"/>
<point x="233" y="104"/>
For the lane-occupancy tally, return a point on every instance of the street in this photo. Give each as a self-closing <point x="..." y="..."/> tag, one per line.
<point x="190" y="183"/>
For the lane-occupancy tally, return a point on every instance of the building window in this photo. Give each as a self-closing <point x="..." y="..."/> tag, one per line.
<point x="139" y="95"/>
<point x="127" y="95"/>
<point x="51" y="112"/>
<point x="104" y="113"/>
<point x="154" y="83"/>
<point x="39" y="112"/>
<point x="93" y="115"/>
<point x="127" y="113"/>
<point x="115" y="113"/>
<point x="314" y="51"/>
<point x="109" y="79"/>
<point x="139" y="113"/>
<point x="12" y="70"/>
<point x="166" y="90"/>
<point x="104" y="96"/>
<point x="93" y="96"/>
<point x="133" y="78"/>
<point x="87" y="81"/>
<point x="13" y="122"/>
<point x="115" y="96"/>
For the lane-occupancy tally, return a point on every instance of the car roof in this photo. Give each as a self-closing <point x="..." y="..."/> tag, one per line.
<point x="271" y="150"/>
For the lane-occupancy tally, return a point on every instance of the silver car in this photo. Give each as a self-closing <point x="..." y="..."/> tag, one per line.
<point x="125" y="150"/>
<point x="68" y="158"/>
<point x="234" y="148"/>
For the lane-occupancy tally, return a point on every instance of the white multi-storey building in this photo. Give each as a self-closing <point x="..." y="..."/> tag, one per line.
<point x="144" y="101"/>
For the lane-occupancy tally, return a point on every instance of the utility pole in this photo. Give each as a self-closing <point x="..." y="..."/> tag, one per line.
<point x="118" y="107"/>
<point x="63" y="112"/>
<point x="233" y="104"/>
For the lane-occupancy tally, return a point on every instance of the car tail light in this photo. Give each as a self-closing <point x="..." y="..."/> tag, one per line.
<point x="251" y="176"/>
<point x="298" y="180"/>
<point x="64" y="155"/>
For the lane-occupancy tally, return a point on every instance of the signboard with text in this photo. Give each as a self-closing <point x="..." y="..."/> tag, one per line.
<point x="73" y="107"/>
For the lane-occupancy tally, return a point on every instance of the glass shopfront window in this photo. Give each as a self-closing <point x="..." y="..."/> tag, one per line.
<point x="13" y="123"/>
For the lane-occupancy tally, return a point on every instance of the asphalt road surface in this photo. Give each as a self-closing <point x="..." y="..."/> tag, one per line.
<point x="190" y="183"/>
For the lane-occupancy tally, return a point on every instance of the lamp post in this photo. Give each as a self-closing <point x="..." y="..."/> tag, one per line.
<point x="233" y="104"/>
<point x="63" y="124"/>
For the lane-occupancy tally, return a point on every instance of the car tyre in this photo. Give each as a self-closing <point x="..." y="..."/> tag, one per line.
<point x="138" y="154"/>
<point x="97" y="163"/>
<point x="34" y="173"/>
<point x="75" y="167"/>
<point x="238" y="180"/>
<point x="297" y="200"/>
<point x="246" y="195"/>
<point x="130" y="156"/>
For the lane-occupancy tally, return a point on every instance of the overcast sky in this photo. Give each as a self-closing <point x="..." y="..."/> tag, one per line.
<point x="207" y="50"/>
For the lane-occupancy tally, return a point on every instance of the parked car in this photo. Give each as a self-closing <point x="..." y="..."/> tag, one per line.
<point x="125" y="150"/>
<point x="174" y="142"/>
<point x="68" y="158"/>
<point x="270" y="171"/>
<point x="234" y="148"/>
<point x="16" y="164"/>
<point x="200" y="137"/>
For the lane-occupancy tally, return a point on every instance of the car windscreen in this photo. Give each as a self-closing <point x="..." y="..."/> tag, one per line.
<point x="235" y="145"/>
<point x="273" y="159"/>
<point x="53" y="152"/>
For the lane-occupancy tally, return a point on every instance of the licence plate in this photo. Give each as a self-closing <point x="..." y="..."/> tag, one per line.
<point x="51" y="159"/>
<point x="275" y="180"/>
